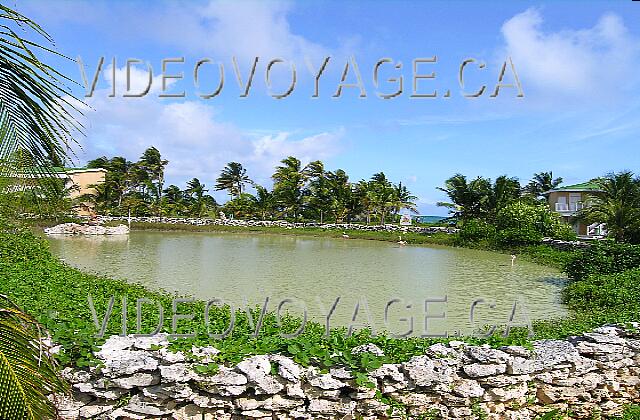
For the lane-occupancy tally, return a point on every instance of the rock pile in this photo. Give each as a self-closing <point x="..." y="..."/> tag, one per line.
<point x="141" y="379"/>
<point x="78" y="229"/>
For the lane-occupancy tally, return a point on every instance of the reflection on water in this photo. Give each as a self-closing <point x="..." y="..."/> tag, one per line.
<point x="317" y="271"/>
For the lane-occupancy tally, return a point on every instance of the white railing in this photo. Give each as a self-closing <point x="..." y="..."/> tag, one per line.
<point x="597" y="229"/>
<point x="561" y="207"/>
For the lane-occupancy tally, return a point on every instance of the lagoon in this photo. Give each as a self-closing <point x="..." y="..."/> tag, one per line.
<point x="318" y="272"/>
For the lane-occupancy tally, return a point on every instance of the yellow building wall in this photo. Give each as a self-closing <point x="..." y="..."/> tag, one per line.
<point x="84" y="180"/>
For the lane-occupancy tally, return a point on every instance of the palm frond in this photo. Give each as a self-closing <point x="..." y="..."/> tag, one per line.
<point x="37" y="111"/>
<point x="27" y="371"/>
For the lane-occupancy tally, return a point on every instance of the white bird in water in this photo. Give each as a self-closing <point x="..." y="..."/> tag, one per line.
<point x="344" y="235"/>
<point x="513" y="259"/>
<point x="400" y="241"/>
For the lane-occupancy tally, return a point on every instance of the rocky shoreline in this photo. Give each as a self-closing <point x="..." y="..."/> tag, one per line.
<point x="199" y="221"/>
<point x="86" y="229"/>
<point x="139" y="378"/>
<point x="203" y="221"/>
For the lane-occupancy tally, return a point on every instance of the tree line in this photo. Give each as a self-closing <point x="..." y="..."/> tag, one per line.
<point x="504" y="211"/>
<point x="299" y="192"/>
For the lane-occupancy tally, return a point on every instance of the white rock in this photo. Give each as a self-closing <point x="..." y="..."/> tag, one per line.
<point x="368" y="348"/>
<point x="323" y="381"/>
<point x="136" y="380"/>
<point x="145" y="343"/>
<point x="287" y="368"/>
<point x="424" y="371"/>
<point x="468" y="388"/>
<point x="478" y="370"/>
<point x="205" y="354"/>
<point x="487" y="355"/>
<point x="177" y="372"/>
<point x="258" y="371"/>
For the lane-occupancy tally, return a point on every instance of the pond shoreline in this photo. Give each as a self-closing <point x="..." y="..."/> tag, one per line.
<point x="74" y="284"/>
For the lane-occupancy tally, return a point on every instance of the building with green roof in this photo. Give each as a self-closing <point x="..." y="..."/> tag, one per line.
<point x="569" y="200"/>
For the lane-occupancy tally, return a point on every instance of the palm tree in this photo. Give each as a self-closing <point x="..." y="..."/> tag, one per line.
<point x="479" y="198"/>
<point x="503" y="191"/>
<point x="36" y="117"/>
<point x="340" y="193"/>
<point x="288" y="183"/>
<point x="197" y="190"/>
<point x="152" y="163"/>
<point x="36" y="109"/>
<point x="264" y="202"/>
<point x="541" y="183"/>
<point x="403" y="199"/>
<point x="617" y="205"/>
<point x="381" y="195"/>
<point x="364" y="192"/>
<point x="27" y="370"/>
<point x="233" y="179"/>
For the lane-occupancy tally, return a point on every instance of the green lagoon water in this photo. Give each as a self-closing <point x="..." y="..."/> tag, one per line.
<point x="316" y="271"/>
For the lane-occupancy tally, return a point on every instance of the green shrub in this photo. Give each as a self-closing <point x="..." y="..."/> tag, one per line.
<point x="519" y="236"/>
<point x="475" y="230"/>
<point x="522" y="223"/>
<point x="619" y="293"/>
<point x="564" y="232"/>
<point x="603" y="258"/>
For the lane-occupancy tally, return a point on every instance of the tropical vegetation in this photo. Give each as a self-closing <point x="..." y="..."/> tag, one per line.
<point x="617" y="205"/>
<point x="502" y="212"/>
<point x="298" y="193"/>
<point x="37" y="128"/>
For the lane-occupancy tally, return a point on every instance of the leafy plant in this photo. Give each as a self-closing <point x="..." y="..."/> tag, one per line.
<point x="37" y="124"/>
<point x="27" y="372"/>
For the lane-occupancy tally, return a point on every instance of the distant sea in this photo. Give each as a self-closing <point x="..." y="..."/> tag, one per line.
<point x="428" y="219"/>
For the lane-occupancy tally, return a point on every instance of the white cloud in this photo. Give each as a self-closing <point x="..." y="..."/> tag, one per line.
<point x="216" y="28"/>
<point x="190" y="135"/>
<point x="247" y="29"/>
<point x="575" y="61"/>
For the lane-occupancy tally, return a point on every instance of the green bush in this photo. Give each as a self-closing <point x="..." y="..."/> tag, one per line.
<point x="619" y="292"/>
<point x="522" y="223"/>
<point x="519" y="236"/>
<point x="475" y="230"/>
<point x="603" y="258"/>
<point x="564" y="232"/>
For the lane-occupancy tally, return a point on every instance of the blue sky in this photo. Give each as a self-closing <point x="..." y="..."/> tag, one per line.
<point x="577" y="63"/>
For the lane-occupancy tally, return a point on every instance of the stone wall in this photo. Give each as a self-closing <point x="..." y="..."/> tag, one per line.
<point x="566" y="245"/>
<point x="198" y="221"/>
<point x="140" y="379"/>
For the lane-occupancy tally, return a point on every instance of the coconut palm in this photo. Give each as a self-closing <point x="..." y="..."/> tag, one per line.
<point x="479" y="198"/>
<point x="288" y="182"/>
<point x="27" y="370"/>
<point x="36" y="108"/>
<point x="541" y="183"/>
<point x="196" y="190"/>
<point x="617" y="205"/>
<point x="37" y="120"/>
<point x="233" y="178"/>
<point x="403" y="199"/>
<point x="340" y="192"/>
<point x="264" y="202"/>
<point x="153" y="165"/>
